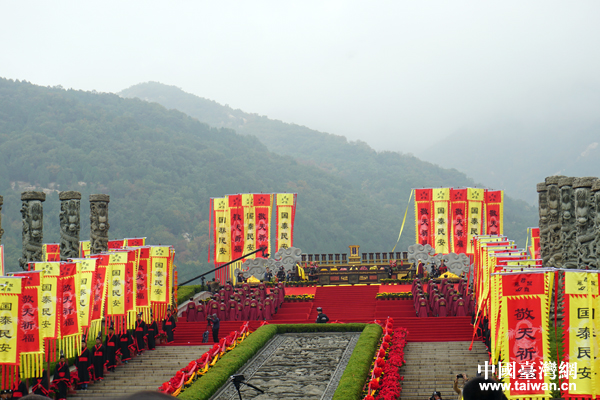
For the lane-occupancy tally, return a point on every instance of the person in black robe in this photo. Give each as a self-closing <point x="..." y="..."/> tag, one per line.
<point x="40" y="385"/>
<point x="82" y="362"/>
<point x="140" y="332"/>
<point x="99" y="359"/>
<point x="125" y="341"/>
<point x="19" y="388"/>
<point x="62" y="377"/>
<point x="152" y="333"/>
<point x="169" y="326"/>
<point x="112" y="345"/>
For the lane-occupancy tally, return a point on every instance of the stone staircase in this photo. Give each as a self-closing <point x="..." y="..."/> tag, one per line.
<point x="146" y="372"/>
<point x="434" y="365"/>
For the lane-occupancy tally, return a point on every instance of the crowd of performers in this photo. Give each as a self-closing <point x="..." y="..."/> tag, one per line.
<point x="444" y="300"/>
<point x="240" y="303"/>
<point x="92" y="363"/>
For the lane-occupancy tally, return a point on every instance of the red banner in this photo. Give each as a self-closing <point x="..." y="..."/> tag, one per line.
<point x="237" y="226"/>
<point x="129" y="281"/>
<point x="262" y="207"/>
<point x="494" y="210"/>
<point x="458" y="208"/>
<point x="99" y="289"/>
<point x="525" y="344"/>
<point x="116" y="244"/>
<point x="523" y="284"/>
<point x="142" y="295"/>
<point x="136" y="242"/>
<point x="67" y="300"/>
<point x="423" y="213"/>
<point x="29" y="325"/>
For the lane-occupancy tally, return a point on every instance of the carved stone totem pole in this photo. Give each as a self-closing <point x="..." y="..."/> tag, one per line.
<point x="585" y="211"/>
<point x="32" y="211"/>
<point x="1" y="230"/>
<point x="99" y="223"/>
<point x="554" y="242"/>
<point x="70" y="203"/>
<point x="543" y="211"/>
<point x="596" y="193"/>
<point x="568" y="225"/>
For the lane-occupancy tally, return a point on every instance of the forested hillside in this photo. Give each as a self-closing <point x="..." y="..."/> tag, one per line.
<point x="385" y="177"/>
<point x="160" y="168"/>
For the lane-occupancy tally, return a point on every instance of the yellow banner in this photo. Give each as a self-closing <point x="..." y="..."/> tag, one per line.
<point x="116" y="284"/>
<point x="441" y="234"/>
<point x="223" y="232"/>
<point x="48" y="317"/>
<point x="285" y="203"/>
<point x="475" y="212"/>
<point x="87" y="269"/>
<point x="582" y="345"/>
<point x="10" y="288"/>
<point x="159" y="290"/>
<point x="577" y="282"/>
<point x="249" y="225"/>
<point x="84" y="249"/>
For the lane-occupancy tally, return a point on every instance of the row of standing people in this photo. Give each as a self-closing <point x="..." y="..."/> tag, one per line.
<point x="443" y="301"/>
<point x="240" y="303"/>
<point x="117" y="348"/>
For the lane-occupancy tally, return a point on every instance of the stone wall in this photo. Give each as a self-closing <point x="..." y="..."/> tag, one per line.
<point x="569" y="210"/>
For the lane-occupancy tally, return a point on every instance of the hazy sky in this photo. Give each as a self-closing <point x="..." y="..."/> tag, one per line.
<point x="399" y="75"/>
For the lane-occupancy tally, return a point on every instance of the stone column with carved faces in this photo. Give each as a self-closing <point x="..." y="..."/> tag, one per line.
<point x="568" y="223"/>
<point x="99" y="223"/>
<point x="70" y="204"/>
<point x="1" y="230"/>
<point x="32" y="212"/>
<point x="554" y="256"/>
<point x="585" y="212"/>
<point x="544" y="218"/>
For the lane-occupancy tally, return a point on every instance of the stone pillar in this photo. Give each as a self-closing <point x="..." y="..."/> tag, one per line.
<point x="543" y="224"/>
<point x="1" y="230"/>
<point x="32" y="211"/>
<point x="99" y="223"/>
<point x="568" y="223"/>
<point x="554" y="242"/>
<point x="70" y="203"/>
<point x="585" y="212"/>
<point x="596" y="193"/>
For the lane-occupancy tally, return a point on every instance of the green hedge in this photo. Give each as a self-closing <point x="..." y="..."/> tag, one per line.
<point x="356" y="373"/>
<point x="185" y="292"/>
<point x="352" y="381"/>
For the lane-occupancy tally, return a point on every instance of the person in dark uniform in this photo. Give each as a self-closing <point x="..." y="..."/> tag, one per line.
<point x="82" y="362"/>
<point x="40" y="385"/>
<point x="152" y="332"/>
<point x="19" y="388"/>
<point x="281" y="274"/>
<point x="216" y="324"/>
<point x="125" y="345"/>
<point x="321" y="318"/>
<point x="62" y="377"/>
<point x="111" y="342"/>
<point x="99" y="359"/>
<point x="169" y="326"/>
<point x="140" y="332"/>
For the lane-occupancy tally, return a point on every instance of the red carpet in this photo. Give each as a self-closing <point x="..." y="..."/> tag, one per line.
<point x="345" y="304"/>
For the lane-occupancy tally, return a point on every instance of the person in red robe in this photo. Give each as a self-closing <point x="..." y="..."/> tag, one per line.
<point x="246" y="310"/>
<point x="190" y="311"/>
<point x="222" y="313"/>
<point x="262" y="291"/>
<point x="228" y="291"/>
<point x="260" y="314"/>
<point x="231" y="309"/>
<point x="239" y="311"/>
<point x="200" y="313"/>
<point x="253" y="310"/>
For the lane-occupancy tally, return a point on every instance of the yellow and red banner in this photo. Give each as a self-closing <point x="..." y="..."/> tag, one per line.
<point x="67" y="307"/>
<point x="115" y="305"/>
<point x="249" y="224"/>
<point x="10" y="291"/>
<point x="51" y="252"/>
<point x="441" y="220"/>
<point x="87" y="272"/>
<point x="99" y="291"/>
<point x="238" y="237"/>
<point x="458" y="211"/>
<point x="526" y="348"/>
<point x="222" y="252"/>
<point x="534" y="239"/>
<point x="423" y="217"/>
<point x="475" y="225"/>
<point x="84" y="249"/>
<point x="494" y="212"/>
<point x="143" y="279"/>
<point x="286" y="212"/>
<point x="135" y="242"/>
<point x="581" y="324"/>
<point x="48" y="305"/>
